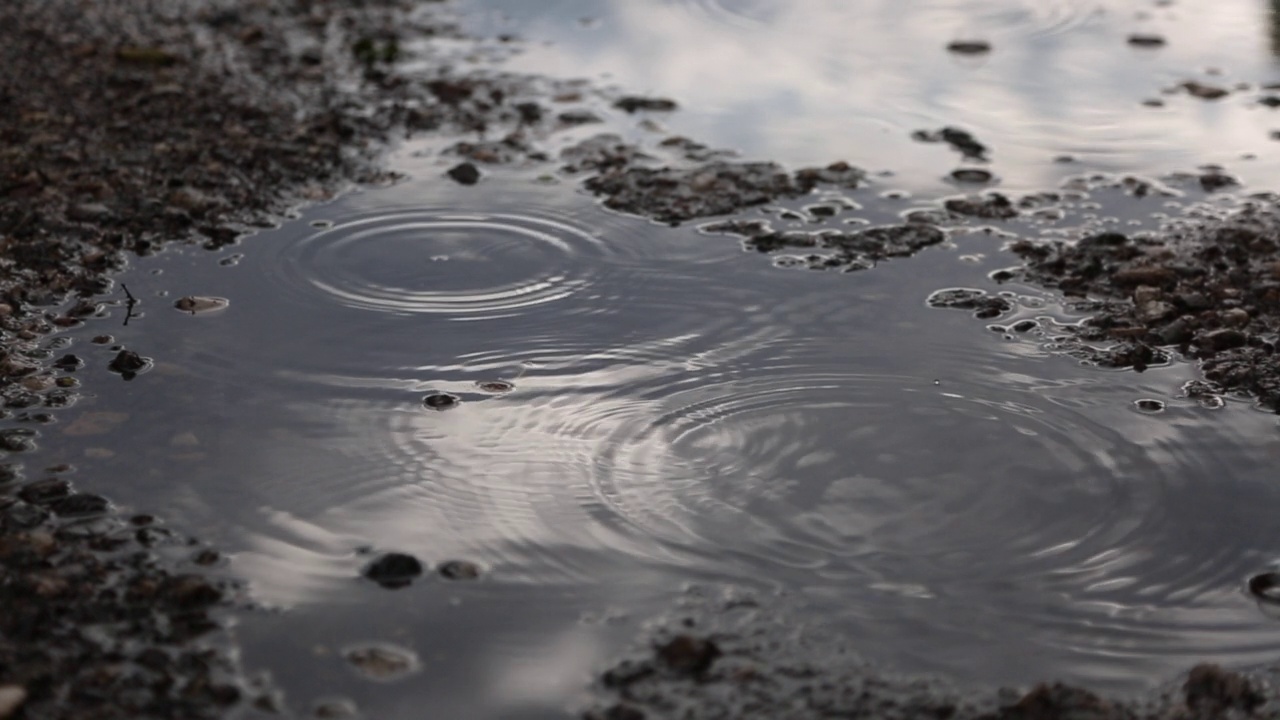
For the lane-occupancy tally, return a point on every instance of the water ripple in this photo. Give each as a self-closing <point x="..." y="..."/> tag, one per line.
<point x="465" y="266"/>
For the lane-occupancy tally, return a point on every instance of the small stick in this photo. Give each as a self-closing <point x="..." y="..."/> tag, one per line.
<point x="129" y="304"/>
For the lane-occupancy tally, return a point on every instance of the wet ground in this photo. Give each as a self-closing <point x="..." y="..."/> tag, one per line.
<point x="471" y="438"/>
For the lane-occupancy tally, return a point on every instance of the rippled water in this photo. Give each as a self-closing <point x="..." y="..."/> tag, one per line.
<point x="810" y="82"/>
<point x="644" y="407"/>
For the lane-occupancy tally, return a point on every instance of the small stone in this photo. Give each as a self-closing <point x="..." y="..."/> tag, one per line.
<point x="1202" y="91"/>
<point x="1211" y="691"/>
<point x="197" y="304"/>
<point x="193" y="591"/>
<point x="1149" y="406"/>
<point x="10" y="700"/>
<point x="974" y="176"/>
<point x="80" y="505"/>
<point x="1146" y="40"/>
<point x="459" y="570"/>
<point x="384" y="663"/>
<point x="633" y="103"/>
<point x="1224" y="339"/>
<point x="441" y="401"/>
<point x="1235" y="317"/>
<point x="335" y="708"/>
<point x="1155" y="311"/>
<point x="688" y="655"/>
<point x="88" y="212"/>
<point x="464" y="173"/>
<point x="969" y="47"/>
<point x="394" y="570"/>
<point x="68" y="363"/>
<point x="128" y="362"/>
<point x="43" y="492"/>
<point x="496" y="387"/>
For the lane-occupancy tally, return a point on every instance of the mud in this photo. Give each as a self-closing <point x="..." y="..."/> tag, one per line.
<point x="1207" y="290"/>
<point x="734" y="655"/>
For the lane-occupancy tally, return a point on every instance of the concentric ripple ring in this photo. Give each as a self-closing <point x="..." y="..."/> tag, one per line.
<point x="471" y="266"/>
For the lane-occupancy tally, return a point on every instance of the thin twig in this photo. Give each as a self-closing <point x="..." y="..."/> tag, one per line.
<point x="129" y="304"/>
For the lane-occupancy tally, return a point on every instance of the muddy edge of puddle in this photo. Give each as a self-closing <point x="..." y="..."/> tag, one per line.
<point x="129" y="125"/>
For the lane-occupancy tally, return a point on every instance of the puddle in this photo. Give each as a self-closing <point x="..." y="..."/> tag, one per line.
<point x="960" y="501"/>
<point x="811" y="82"/>
<point x="632" y="408"/>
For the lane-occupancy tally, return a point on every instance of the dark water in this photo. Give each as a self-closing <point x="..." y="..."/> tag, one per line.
<point x="953" y="498"/>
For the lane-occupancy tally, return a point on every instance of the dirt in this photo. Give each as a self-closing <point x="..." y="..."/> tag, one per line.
<point x="128" y="125"/>
<point x="1207" y="290"/>
<point x="733" y="655"/>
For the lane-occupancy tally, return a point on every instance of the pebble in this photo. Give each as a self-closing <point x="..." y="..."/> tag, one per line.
<point x="441" y="401"/>
<point x="128" y="362"/>
<point x="969" y="47"/>
<point x="688" y="655"/>
<point x="196" y="304"/>
<point x="89" y="212"/>
<point x="384" y="663"/>
<point x="464" y="174"/>
<point x="11" y="699"/>
<point x="459" y="570"/>
<point x="1146" y="40"/>
<point x="1202" y="91"/>
<point x="394" y="570"/>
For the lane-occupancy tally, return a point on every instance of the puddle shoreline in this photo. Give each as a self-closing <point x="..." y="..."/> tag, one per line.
<point x="78" y="204"/>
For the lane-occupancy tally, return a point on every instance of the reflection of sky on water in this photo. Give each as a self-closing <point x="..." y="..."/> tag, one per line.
<point x="805" y="82"/>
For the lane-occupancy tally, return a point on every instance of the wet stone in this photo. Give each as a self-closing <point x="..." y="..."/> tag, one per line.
<point x="1058" y="700"/>
<point x="960" y="140"/>
<point x="335" y="709"/>
<point x="983" y="305"/>
<point x="578" y="117"/>
<point x="464" y="173"/>
<point x="68" y="363"/>
<point x="459" y="570"/>
<point x="394" y="570"/>
<point x="1146" y="40"/>
<point x="17" y="440"/>
<point x="128" y="363"/>
<point x="496" y="387"/>
<point x="23" y="515"/>
<point x="1265" y="587"/>
<point x="11" y="699"/>
<point x="80" y="505"/>
<point x="972" y="176"/>
<point x="383" y="663"/>
<point x="441" y="401"/>
<point x="1214" y="181"/>
<point x="688" y="655"/>
<point x="199" y="304"/>
<point x="1203" y="91"/>
<point x="89" y="212"/>
<point x="1212" y="691"/>
<point x="969" y="47"/>
<point x="989" y="206"/>
<point x="1149" y="406"/>
<point x="674" y="195"/>
<point x="635" y="103"/>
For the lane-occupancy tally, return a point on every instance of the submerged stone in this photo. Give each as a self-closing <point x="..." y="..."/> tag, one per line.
<point x="383" y="663"/>
<point x="198" y="304"/>
<point x="459" y="570"/>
